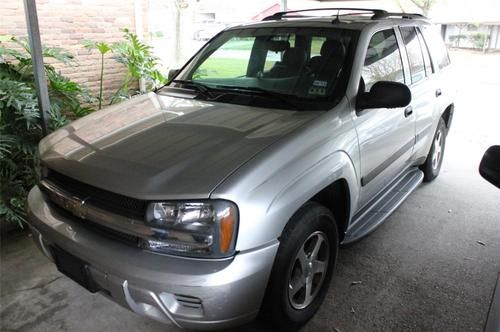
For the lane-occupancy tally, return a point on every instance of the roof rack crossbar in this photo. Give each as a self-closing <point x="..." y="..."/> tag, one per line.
<point x="280" y="15"/>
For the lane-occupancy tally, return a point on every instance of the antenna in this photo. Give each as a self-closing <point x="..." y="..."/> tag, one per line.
<point x="337" y="19"/>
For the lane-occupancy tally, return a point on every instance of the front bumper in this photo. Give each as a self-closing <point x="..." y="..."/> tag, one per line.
<point x="190" y="293"/>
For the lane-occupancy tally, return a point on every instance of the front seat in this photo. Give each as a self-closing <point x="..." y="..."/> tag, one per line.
<point x="290" y="65"/>
<point x="328" y="64"/>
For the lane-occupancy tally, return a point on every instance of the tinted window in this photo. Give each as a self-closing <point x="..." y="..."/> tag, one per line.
<point x="436" y="46"/>
<point x="274" y="57"/>
<point x="415" y="57"/>
<point x="316" y="43"/>
<point x="383" y="60"/>
<point x="272" y="67"/>
<point x="229" y="61"/>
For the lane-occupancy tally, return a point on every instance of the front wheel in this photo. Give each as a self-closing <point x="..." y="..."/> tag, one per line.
<point x="303" y="267"/>
<point x="434" y="160"/>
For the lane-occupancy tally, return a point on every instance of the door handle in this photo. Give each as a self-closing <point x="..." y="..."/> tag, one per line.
<point x="408" y="111"/>
<point x="438" y="92"/>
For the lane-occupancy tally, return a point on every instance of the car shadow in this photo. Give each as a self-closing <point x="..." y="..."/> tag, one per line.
<point x="254" y="326"/>
<point x="251" y="327"/>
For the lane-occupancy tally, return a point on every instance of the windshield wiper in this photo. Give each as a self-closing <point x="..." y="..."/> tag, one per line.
<point x="201" y="88"/>
<point x="263" y="92"/>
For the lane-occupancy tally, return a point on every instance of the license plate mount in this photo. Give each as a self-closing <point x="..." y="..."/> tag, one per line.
<point x="74" y="268"/>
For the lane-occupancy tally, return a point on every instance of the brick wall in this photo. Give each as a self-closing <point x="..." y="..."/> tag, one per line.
<point x="66" y="23"/>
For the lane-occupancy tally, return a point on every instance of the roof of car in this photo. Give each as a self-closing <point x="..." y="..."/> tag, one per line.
<point x="350" y="18"/>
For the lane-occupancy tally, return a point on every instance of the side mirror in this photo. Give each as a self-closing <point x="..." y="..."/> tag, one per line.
<point x="384" y="94"/>
<point x="171" y="74"/>
<point x="490" y="165"/>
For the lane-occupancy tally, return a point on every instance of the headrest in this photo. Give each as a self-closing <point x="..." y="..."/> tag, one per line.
<point x="277" y="45"/>
<point x="332" y="48"/>
<point x="294" y="56"/>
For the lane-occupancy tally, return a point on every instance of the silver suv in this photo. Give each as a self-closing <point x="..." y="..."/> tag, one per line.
<point x="227" y="193"/>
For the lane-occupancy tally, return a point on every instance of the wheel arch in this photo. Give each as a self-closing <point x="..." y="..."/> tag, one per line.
<point x="447" y="115"/>
<point x="331" y="182"/>
<point x="336" y="198"/>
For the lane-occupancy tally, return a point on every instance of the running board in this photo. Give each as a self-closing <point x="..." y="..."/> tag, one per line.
<point x="381" y="207"/>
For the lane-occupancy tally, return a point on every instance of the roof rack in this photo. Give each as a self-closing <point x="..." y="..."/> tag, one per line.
<point x="402" y="15"/>
<point x="377" y="13"/>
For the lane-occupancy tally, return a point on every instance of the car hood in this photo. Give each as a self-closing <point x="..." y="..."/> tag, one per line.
<point x="162" y="147"/>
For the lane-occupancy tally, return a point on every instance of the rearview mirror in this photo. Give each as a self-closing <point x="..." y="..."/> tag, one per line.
<point x="171" y="74"/>
<point x="490" y="165"/>
<point x="384" y="94"/>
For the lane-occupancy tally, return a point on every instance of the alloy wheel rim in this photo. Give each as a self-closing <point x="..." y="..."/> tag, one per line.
<point x="307" y="273"/>
<point x="438" y="150"/>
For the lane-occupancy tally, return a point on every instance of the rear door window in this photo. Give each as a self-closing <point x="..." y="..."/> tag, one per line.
<point x="414" y="52"/>
<point x="383" y="60"/>
<point x="316" y="43"/>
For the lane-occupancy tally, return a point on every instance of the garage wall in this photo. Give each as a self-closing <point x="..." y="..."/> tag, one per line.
<point x="65" y="23"/>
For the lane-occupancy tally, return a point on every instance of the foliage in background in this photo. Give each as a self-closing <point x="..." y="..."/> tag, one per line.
<point x="478" y="39"/>
<point x="455" y="39"/>
<point x="20" y="124"/>
<point x="139" y="60"/>
<point x="103" y="48"/>
<point x="424" y="5"/>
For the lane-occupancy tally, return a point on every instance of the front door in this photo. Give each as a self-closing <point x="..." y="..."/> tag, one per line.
<point x="386" y="136"/>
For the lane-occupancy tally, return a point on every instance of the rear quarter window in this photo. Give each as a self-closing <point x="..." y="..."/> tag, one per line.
<point x="425" y="52"/>
<point x="436" y="46"/>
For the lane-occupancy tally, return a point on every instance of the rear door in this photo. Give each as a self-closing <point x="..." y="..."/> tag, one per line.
<point x="423" y="86"/>
<point x="386" y="136"/>
<point x="440" y="93"/>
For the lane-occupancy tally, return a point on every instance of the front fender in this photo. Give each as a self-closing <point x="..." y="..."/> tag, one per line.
<point x="328" y="170"/>
<point x="266" y="209"/>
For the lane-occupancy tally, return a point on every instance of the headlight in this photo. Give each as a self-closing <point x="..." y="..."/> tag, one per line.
<point x="199" y="229"/>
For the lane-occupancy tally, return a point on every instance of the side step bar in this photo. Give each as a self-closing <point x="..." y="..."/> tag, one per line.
<point x="382" y="206"/>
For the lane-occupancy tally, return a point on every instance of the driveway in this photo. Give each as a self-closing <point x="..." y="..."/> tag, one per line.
<point x="431" y="267"/>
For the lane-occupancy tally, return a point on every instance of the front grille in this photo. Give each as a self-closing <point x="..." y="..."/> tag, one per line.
<point x="112" y="234"/>
<point x="104" y="231"/>
<point x="104" y="199"/>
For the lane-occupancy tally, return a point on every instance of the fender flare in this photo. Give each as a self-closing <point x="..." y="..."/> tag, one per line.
<point x="336" y="166"/>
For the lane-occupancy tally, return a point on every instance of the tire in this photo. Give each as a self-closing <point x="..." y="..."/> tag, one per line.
<point x="434" y="159"/>
<point x="308" y="245"/>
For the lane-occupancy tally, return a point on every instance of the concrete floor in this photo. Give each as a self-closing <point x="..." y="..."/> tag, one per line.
<point x="431" y="267"/>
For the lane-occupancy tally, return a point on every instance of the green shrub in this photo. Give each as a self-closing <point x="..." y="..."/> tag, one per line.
<point x="478" y="39"/>
<point x="103" y="48"/>
<point x="20" y="123"/>
<point x="457" y="38"/>
<point x="139" y="60"/>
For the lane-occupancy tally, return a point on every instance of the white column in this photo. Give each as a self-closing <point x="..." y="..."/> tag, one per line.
<point x="139" y="31"/>
<point x="284" y="5"/>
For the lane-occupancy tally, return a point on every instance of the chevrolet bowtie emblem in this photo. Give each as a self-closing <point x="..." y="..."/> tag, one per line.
<point x="76" y="206"/>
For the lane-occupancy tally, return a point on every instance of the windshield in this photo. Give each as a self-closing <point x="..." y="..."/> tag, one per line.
<point x="299" y="68"/>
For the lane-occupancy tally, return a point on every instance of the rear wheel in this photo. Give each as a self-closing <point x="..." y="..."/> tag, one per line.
<point x="303" y="267"/>
<point x="434" y="160"/>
